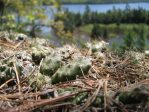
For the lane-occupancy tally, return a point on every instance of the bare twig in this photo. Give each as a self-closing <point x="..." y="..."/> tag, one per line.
<point x="40" y="103"/>
<point x="105" y="93"/>
<point x="6" y="83"/>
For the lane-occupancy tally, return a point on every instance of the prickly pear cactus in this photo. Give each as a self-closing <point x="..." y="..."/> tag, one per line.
<point x="78" y="67"/>
<point x="50" y="65"/>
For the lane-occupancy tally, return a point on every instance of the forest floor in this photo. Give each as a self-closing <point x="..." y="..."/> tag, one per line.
<point x="36" y="76"/>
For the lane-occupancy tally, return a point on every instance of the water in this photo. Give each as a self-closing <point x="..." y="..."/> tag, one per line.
<point x="50" y="11"/>
<point x="104" y="7"/>
<point x="96" y="7"/>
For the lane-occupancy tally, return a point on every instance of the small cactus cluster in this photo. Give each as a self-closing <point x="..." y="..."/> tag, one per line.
<point x="7" y="71"/>
<point x="74" y="69"/>
<point x="50" y="65"/>
<point x="38" y="53"/>
<point x="60" y="66"/>
<point x="38" y="80"/>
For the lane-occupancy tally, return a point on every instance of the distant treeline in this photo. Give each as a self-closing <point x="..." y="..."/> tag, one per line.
<point x="118" y="16"/>
<point x="100" y="1"/>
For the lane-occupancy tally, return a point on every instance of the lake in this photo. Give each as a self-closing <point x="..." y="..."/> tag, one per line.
<point x="105" y="7"/>
<point x="96" y="7"/>
<point x="93" y="7"/>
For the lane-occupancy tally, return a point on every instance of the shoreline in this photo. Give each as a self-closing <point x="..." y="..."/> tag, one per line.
<point x="96" y="3"/>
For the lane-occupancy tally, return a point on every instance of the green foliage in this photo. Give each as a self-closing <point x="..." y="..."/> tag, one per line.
<point x="117" y="16"/>
<point x="87" y="15"/>
<point x="96" y="31"/>
<point x="135" y="42"/>
<point x="19" y="14"/>
<point x="100" y="1"/>
<point x="141" y="40"/>
<point x="129" y="41"/>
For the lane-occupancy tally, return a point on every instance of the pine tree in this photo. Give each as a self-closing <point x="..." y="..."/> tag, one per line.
<point x="129" y="41"/>
<point x="141" y="40"/>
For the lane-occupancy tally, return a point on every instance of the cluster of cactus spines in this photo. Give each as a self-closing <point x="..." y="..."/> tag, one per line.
<point x="72" y="70"/>
<point x="7" y="71"/>
<point x="50" y="65"/>
<point x="37" y="81"/>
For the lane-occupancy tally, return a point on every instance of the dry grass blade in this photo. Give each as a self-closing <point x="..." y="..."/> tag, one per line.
<point x="17" y="96"/>
<point x="39" y="103"/>
<point x="6" y="83"/>
<point x="17" y="76"/>
<point x="10" y="44"/>
<point x="105" y="93"/>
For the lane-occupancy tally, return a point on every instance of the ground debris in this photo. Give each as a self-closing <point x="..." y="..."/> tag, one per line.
<point x="36" y="76"/>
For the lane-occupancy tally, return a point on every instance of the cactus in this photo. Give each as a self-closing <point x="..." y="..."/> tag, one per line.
<point x="97" y="46"/>
<point x="137" y="95"/>
<point x="80" y="98"/>
<point x="70" y="71"/>
<point x="38" y="81"/>
<point x="7" y="72"/>
<point x="50" y="65"/>
<point x="38" y="53"/>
